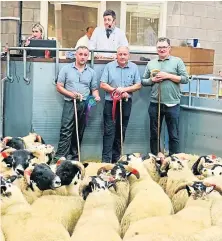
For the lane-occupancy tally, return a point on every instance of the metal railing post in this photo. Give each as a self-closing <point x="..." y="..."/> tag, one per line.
<point x="24" y="68"/>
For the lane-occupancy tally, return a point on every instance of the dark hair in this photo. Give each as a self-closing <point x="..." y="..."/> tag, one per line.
<point x="109" y="12"/>
<point x="87" y="29"/>
<point x="82" y="47"/>
<point x="163" y="39"/>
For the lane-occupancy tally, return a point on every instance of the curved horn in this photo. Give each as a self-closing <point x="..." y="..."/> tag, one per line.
<point x="39" y="154"/>
<point x="6" y="139"/>
<point x="104" y="168"/>
<point x="183" y="186"/>
<point x="80" y="166"/>
<point x="28" y="172"/>
<point x="133" y="171"/>
<point x="216" y="188"/>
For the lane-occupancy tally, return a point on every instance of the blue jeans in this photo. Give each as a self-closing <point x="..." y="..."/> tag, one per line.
<point x="172" y="121"/>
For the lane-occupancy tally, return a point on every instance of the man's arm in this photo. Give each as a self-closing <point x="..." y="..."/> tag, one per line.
<point x="60" y="85"/>
<point x="181" y="77"/>
<point x="146" y="80"/>
<point x="123" y="40"/>
<point x="94" y="87"/>
<point x="93" y="39"/>
<point x="105" y="80"/>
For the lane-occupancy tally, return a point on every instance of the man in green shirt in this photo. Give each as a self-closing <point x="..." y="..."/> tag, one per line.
<point x="170" y="73"/>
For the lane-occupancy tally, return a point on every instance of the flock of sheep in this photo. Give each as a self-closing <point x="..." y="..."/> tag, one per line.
<point x="140" y="198"/>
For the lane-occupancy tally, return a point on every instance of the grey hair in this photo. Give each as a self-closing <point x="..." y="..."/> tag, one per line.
<point x="123" y="47"/>
<point x="82" y="47"/>
<point x="163" y="39"/>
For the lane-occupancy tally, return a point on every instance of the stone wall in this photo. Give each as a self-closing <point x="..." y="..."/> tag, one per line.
<point x="9" y="28"/>
<point x="198" y="19"/>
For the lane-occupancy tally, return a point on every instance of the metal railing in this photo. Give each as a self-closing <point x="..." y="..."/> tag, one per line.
<point x="24" y="49"/>
<point x="194" y="77"/>
<point x="199" y="78"/>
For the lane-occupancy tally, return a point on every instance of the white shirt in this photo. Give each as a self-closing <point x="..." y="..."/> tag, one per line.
<point x="100" y="41"/>
<point x="83" y="41"/>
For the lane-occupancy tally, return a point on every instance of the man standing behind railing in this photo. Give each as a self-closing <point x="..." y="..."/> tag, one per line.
<point x="108" y="37"/>
<point x="170" y="73"/>
<point x="75" y="81"/>
<point x="121" y="76"/>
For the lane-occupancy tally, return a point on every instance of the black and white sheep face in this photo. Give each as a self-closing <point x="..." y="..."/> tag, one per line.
<point x="21" y="160"/>
<point x="176" y="164"/>
<point x="202" y="162"/>
<point x="44" y="178"/>
<point x="215" y="170"/>
<point x="96" y="184"/>
<point x="68" y="173"/>
<point x="131" y="157"/>
<point x="198" y="190"/>
<point x="6" y="184"/>
<point x="119" y="172"/>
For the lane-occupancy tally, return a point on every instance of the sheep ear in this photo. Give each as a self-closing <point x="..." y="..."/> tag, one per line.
<point x="190" y="190"/>
<point x="209" y="189"/>
<point x="12" y="178"/>
<point x="85" y="164"/>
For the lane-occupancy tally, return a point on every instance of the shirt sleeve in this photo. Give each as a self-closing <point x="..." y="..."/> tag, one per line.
<point x="182" y="72"/>
<point x="123" y="39"/>
<point x="146" y="76"/>
<point x="92" y="41"/>
<point x="94" y="84"/>
<point x="105" y="75"/>
<point x="62" y="75"/>
<point x="137" y="79"/>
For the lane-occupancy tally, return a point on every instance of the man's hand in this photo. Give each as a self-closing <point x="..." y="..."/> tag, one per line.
<point x="77" y="95"/>
<point x="97" y="98"/>
<point x="162" y="76"/>
<point x="156" y="80"/>
<point x="120" y="90"/>
<point x="125" y="95"/>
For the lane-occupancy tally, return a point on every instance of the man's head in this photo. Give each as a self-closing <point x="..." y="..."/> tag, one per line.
<point x="109" y="17"/>
<point x="123" y="55"/>
<point x="89" y="31"/>
<point x="82" y="55"/>
<point x="163" y="47"/>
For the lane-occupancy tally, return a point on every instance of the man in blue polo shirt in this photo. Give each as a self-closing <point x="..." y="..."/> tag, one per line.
<point x="75" y="81"/>
<point x="123" y="77"/>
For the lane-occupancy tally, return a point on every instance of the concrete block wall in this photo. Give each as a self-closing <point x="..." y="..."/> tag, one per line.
<point x="9" y="28"/>
<point x="197" y="19"/>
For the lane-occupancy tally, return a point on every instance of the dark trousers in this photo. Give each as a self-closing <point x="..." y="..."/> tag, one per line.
<point x="68" y="141"/>
<point x="172" y="120"/>
<point x="112" y="135"/>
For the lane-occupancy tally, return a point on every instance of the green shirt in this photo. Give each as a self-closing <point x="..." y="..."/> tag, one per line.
<point x="170" y="91"/>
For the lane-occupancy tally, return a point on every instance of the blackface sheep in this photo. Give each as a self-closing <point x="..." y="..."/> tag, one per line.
<point x="195" y="217"/>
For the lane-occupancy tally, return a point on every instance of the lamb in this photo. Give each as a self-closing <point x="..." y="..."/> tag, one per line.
<point x="213" y="233"/>
<point x="193" y="218"/>
<point x="61" y="209"/>
<point x="37" y="179"/>
<point x="104" y="208"/>
<point x="153" y="205"/>
<point x="17" y="222"/>
<point x="175" y="179"/>
<point x="6" y="160"/>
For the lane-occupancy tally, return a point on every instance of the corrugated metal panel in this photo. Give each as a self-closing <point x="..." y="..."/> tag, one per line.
<point x="200" y="131"/>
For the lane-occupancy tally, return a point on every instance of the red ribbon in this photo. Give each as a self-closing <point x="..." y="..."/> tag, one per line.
<point x="115" y="97"/>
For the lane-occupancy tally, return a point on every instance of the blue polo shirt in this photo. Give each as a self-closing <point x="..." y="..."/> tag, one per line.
<point x="116" y="76"/>
<point x="81" y="82"/>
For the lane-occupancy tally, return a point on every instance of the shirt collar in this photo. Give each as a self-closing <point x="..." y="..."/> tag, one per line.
<point x="74" y="66"/>
<point x="164" y="59"/>
<point x="117" y="65"/>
